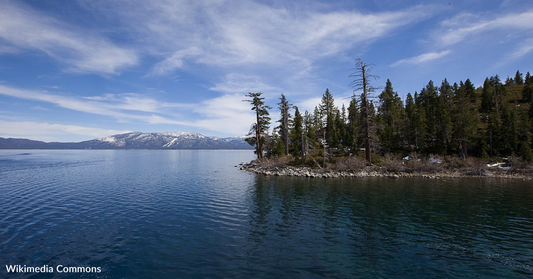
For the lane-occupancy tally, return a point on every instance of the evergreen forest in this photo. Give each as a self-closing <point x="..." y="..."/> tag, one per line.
<point x="493" y="120"/>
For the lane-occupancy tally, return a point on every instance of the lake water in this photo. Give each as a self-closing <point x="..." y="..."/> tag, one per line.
<point x="193" y="214"/>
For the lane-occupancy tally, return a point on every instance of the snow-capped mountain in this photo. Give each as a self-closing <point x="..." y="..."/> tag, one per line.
<point x="169" y="140"/>
<point x="137" y="140"/>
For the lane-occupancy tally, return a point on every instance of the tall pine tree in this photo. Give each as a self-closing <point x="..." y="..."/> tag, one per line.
<point x="389" y="120"/>
<point x="259" y="129"/>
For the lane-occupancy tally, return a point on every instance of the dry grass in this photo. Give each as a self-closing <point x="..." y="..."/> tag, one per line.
<point x="416" y="163"/>
<point x="393" y="163"/>
<point x="274" y="161"/>
<point x="348" y="164"/>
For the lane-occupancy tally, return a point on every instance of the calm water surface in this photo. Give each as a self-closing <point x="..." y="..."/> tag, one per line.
<point x="193" y="214"/>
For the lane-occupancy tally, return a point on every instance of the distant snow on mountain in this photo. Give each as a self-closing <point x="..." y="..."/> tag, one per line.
<point x="137" y="140"/>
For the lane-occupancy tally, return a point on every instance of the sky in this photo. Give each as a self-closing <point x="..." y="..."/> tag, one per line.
<point x="84" y="69"/>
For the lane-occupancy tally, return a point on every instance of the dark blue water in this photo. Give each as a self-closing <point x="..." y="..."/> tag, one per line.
<point x="193" y="214"/>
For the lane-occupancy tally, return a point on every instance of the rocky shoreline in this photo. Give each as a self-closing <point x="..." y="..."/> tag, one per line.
<point x="373" y="171"/>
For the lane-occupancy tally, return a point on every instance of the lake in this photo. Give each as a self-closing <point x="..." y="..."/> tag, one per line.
<point x="194" y="214"/>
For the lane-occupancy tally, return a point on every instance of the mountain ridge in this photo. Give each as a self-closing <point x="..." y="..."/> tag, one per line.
<point x="135" y="140"/>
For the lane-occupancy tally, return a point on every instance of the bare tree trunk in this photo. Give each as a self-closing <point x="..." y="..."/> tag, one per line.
<point x="302" y="151"/>
<point x="286" y="132"/>
<point x="361" y="82"/>
<point x="259" y="142"/>
<point x="367" y="124"/>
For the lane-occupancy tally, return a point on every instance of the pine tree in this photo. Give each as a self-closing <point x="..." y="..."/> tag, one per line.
<point x="260" y="128"/>
<point x="420" y="122"/>
<point x="444" y="118"/>
<point x="389" y="118"/>
<point x="508" y="130"/>
<point x="528" y="79"/>
<point x="495" y="138"/>
<point x="527" y="93"/>
<point x="525" y="152"/>
<point x="297" y="134"/>
<point x="428" y="101"/>
<point x="327" y="110"/>
<point x="338" y="129"/>
<point x="409" y="128"/>
<point x="352" y="126"/>
<point x="284" y="121"/>
<point x="487" y="97"/>
<point x="309" y="130"/>
<point x="518" y="79"/>
<point x="465" y="117"/>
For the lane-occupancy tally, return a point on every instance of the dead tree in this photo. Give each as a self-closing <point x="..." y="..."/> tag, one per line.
<point x="361" y="82"/>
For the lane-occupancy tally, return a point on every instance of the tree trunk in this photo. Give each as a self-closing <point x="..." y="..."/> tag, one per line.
<point x="258" y="141"/>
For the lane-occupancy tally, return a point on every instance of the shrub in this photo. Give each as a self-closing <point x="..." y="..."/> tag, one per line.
<point x="393" y="163"/>
<point x="526" y="153"/>
<point x="274" y="161"/>
<point x="350" y="163"/>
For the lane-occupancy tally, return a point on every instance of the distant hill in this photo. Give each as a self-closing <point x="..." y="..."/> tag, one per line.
<point x="135" y="140"/>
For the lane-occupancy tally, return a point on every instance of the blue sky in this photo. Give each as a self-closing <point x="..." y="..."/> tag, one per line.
<point x="78" y="70"/>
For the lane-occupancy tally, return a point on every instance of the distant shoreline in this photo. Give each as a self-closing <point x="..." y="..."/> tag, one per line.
<point x="96" y="149"/>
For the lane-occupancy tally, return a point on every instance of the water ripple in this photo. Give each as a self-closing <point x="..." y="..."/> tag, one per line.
<point x="190" y="214"/>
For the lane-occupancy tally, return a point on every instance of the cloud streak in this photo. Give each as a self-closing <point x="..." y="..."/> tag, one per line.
<point x="228" y="34"/>
<point x="226" y="114"/>
<point x="23" y="28"/>
<point x="145" y="109"/>
<point x="49" y="132"/>
<point x="423" y="58"/>
<point x="464" y="26"/>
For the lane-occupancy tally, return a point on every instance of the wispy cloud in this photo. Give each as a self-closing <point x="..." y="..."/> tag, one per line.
<point x="226" y="114"/>
<point x="233" y="83"/>
<point x="423" y="58"/>
<point x="175" y="61"/>
<point x="22" y="28"/>
<point x="522" y="49"/>
<point x="247" y="34"/>
<point x="50" y="132"/>
<point x="136" y="102"/>
<point x="126" y="107"/>
<point x="464" y="26"/>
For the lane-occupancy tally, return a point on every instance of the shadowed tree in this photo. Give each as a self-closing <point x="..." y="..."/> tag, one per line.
<point x="262" y="124"/>
<point x="389" y="118"/>
<point x="327" y="110"/>
<point x="284" y="107"/>
<point x="465" y="116"/>
<point x="352" y="138"/>
<point x="443" y="117"/>
<point x="297" y="135"/>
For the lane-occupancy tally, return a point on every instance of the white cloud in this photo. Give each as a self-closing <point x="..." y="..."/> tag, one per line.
<point x="51" y="132"/>
<point x="250" y="35"/>
<point x="309" y="104"/>
<point x="227" y="114"/>
<point x="175" y="61"/>
<point x="24" y="28"/>
<point x="242" y="84"/>
<point x="107" y="105"/>
<point x="465" y="26"/>
<point x="423" y="58"/>
<point x="136" y="102"/>
<point x="522" y="50"/>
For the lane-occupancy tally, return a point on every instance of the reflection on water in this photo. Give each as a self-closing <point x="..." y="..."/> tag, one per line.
<point x="395" y="228"/>
<point x="192" y="214"/>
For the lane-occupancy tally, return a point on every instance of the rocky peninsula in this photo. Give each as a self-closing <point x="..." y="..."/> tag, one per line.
<point x="429" y="170"/>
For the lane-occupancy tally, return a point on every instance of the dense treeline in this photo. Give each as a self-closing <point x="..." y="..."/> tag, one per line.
<point x="495" y="119"/>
